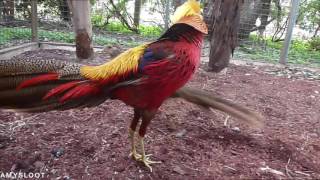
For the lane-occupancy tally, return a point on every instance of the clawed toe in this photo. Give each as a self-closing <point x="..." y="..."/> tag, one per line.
<point x="147" y="162"/>
<point x="135" y="155"/>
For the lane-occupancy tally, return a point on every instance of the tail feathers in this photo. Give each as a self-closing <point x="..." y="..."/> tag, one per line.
<point x="32" y="102"/>
<point x="79" y="91"/>
<point x="50" y="105"/>
<point x="47" y="94"/>
<point x="60" y="89"/>
<point x="38" y="80"/>
<point x="38" y="66"/>
<point x="207" y="100"/>
<point x="36" y="85"/>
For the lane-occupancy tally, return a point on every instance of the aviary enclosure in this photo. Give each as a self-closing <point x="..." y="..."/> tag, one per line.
<point x="191" y="142"/>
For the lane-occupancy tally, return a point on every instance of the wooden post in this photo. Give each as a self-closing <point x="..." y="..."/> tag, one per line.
<point x="34" y="21"/>
<point x="292" y="21"/>
<point x="82" y="27"/>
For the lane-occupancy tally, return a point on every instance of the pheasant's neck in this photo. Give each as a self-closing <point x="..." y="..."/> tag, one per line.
<point x="193" y="36"/>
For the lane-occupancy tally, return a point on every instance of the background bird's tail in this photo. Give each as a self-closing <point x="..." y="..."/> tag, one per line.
<point x="207" y="100"/>
<point x="25" y="83"/>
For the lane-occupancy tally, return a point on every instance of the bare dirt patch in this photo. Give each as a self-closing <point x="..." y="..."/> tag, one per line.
<point x="191" y="142"/>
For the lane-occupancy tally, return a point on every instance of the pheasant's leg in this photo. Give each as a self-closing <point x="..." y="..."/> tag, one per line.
<point x="146" y="118"/>
<point x="145" y="157"/>
<point x="133" y="152"/>
<point x="132" y="129"/>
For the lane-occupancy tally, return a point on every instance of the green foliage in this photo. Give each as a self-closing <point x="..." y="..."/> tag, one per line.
<point x="309" y="15"/>
<point x="114" y="26"/>
<point x="315" y="43"/>
<point x="93" y="2"/>
<point x="301" y="52"/>
<point x="150" y="31"/>
<point x="9" y="35"/>
<point x="98" y="20"/>
<point x="66" y="37"/>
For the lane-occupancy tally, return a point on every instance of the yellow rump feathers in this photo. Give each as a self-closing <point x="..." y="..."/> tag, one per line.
<point x="189" y="8"/>
<point x="120" y="66"/>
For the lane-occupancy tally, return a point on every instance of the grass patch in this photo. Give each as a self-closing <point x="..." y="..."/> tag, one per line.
<point x="10" y="35"/>
<point x="145" y="31"/>
<point x="301" y="52"/>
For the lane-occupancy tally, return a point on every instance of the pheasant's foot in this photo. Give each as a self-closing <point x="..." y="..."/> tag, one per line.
<point x="147" y="162"/>
<point x="136" y="156"/>
<point x="145" y="159"/>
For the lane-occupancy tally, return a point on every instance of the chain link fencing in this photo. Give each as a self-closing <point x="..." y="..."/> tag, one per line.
<point x="15" y="22"/>
<point x="263" y="26"/>
<point x="263" y="23"/>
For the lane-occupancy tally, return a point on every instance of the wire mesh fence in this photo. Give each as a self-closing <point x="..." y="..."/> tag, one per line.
<point x="113" y="21"/>
<point x="263" y="23"/>
<point x="15" y="22"/>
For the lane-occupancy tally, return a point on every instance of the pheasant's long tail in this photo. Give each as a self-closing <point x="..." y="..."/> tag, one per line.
<point x="207" y="100"/>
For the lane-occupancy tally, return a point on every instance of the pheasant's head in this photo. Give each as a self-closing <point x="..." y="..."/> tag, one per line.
<point x="190" y="13"/>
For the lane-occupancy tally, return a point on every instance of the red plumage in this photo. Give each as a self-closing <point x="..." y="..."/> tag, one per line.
<point x="163" y="77"/>
<point x="60" y="89"/>
<point x="38" y="80"/>
<point x="79" y="91"/>
<point x="143" y="77"/>
<point x="154" y="72"/>
<point x="165" y="66"/>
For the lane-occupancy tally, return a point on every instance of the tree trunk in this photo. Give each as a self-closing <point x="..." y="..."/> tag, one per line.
<point x="316" y="31"/>
<point x="8" y="10"/>
<point x="224" y="25"/>
<point x="82" y="27"/>
<point x="137" y="11"/>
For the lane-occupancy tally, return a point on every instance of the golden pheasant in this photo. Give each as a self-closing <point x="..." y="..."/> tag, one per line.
<point x="142" y="77"/>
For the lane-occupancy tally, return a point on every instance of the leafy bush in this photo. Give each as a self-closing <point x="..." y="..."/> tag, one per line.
<point x="97" y="20"/>
<point x="315" y="43"/>
<point x="146" y="31"/>
<point x="10" y="34"/>
<point x="66" y="37"/>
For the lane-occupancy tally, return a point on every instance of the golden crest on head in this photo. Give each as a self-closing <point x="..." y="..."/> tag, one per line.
<point x="190" y="13"/>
